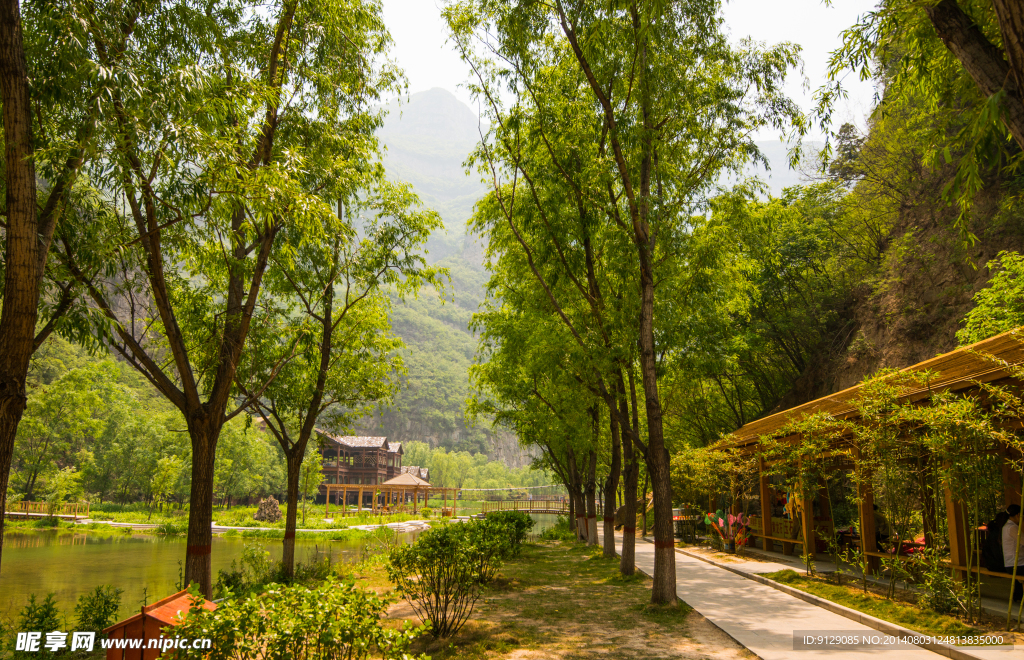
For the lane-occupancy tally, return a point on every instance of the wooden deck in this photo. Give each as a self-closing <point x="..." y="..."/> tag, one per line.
<point x="29" y="510"/>
<point x="556" y="507"/>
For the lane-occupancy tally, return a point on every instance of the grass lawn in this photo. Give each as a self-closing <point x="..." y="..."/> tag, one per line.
<point x="240" y="516"/>
<point x="562" y="601"/>
<point x="901" y="612"/>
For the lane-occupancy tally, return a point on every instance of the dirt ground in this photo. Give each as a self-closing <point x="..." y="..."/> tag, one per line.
<point x="563" y="602"/>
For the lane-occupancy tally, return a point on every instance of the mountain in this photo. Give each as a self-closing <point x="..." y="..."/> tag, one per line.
<point x="428" y="137"/>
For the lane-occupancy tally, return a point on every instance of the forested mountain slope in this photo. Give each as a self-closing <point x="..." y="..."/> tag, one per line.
<point x="428" y="138"/>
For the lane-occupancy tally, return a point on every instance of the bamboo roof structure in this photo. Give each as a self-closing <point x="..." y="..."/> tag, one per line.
<point x="982" y="362"/>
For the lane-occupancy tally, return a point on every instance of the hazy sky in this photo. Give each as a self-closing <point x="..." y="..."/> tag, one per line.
<point x="421" y="48"/>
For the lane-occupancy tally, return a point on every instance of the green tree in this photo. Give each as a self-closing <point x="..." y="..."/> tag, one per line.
<point x="57" y="423"/>
<point x="329" y="352"/>
<point x="65" y="484"/>
<point x="167" y="473"/>
<point x="648" y="141"/>
<point x="958" y="62"/>
<point x="50" y="132"/>
<point x="999" y="307"/>
<point x="244" y="118"/>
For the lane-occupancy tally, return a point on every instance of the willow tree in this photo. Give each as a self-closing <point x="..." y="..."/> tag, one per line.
<point x="331" y="334"/>
<point x="658" y="104"/>
<point x="246" y="113"/>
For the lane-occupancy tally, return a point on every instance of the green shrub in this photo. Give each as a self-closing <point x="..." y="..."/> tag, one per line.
<point x="172" y="529"/>
<point x="37" y="617"/>
<point x="426" y="512"/>
<point x="516" y="523"/>
<point x="333" y="621"/>
<point x="98" y="608"/>
<point x="438" y="575"/>
<point x="937" y="586"/>
<point x="488" y="543"/>
<point x="561" y="531"/>
<point x="255" y="571"/>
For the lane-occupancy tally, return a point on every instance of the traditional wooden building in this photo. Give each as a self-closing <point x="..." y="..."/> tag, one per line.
<point x="358" y="460"/>
<point x="417" y="471"/>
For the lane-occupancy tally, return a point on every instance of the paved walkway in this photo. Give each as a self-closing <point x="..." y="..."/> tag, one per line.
<point x="763" y="619"/>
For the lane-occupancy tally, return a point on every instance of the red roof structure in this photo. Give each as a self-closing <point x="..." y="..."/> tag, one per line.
<point x="147" y="625"/>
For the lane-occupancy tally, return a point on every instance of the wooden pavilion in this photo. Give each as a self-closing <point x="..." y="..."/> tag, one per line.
<point x="962" y="370"/>
<point x="393" y="496"/>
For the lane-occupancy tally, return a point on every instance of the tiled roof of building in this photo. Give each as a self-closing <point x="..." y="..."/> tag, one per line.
<point x="380" y="442"/>
<point x="395" y="447"/>
<point x="416" y="471"/>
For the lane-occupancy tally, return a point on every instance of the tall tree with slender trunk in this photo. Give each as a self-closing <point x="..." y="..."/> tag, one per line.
<point x="336" y="321"/>
<point x="655" y="104"/>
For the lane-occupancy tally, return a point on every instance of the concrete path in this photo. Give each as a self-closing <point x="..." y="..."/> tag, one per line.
<point x="764" y="619"/>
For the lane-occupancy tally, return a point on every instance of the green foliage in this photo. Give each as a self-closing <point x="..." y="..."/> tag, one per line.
<point x="999" y="307"/>
<point x="897" y="44"/>
<point x="98" y="608"/>
<point x="938" y="591"/>
<point x="516" y="525"/>
<point x="332" y="621"/>
<point x="439" y="576"/>
<point x="250" y="574"/>
<point x="64" y="484"/>
<point x="562" y="530"/>
<point x="39" y="617"/>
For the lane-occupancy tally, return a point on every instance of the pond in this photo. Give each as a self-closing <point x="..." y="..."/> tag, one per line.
<point x="69" y="563"/>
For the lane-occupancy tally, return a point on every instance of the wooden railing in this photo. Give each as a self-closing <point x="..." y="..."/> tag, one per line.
<point x="68" y="509"/>
<point x="530" y="506"/>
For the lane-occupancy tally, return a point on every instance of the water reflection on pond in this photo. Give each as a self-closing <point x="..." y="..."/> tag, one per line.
<point x="70" y="563"/>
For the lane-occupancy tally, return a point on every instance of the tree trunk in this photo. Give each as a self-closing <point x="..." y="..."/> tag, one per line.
<point x="591" y="501"/>
<point x="627" y="562"/>
<point x="643" y="506"/>
<point x="611" y="487"/>
<point x="21" y="279"/>
<point x="576" y="493"/>
<point x="984" y="61"/>
<point x="664" y="590"/>
<point x="294" y="467"/>
<point x="200" y="511"/>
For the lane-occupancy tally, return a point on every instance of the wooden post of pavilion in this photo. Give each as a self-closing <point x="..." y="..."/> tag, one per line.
<point x="1011" y="477"/>
<point x="359" y="509"/>
<point x="807" y="519"/>
<point x="957" y="542"/>
<point x="415" y="499"/>
<point x="455" y="497"/>
<point x="766" y="507"/>
<point x="327" y="501"/>
<point x="866" y="515"/>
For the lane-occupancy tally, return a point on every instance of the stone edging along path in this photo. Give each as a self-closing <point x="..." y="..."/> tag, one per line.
<point x="864" y="619"/>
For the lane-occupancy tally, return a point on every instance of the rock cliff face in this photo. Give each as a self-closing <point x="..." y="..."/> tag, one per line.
<point x="924" y="284"/>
